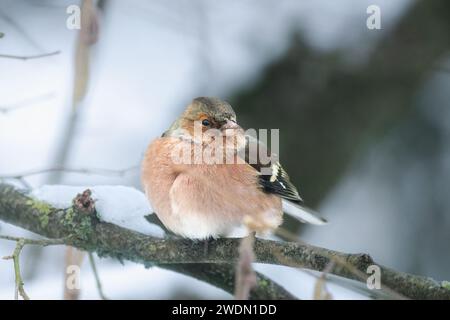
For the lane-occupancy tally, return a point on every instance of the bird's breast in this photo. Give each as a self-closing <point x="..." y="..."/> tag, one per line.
<point x="199" y="200"/>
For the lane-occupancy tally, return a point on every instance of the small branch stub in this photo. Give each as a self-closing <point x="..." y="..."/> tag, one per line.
<point x="84" y="203"/>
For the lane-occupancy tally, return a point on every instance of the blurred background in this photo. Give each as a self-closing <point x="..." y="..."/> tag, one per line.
<point x="364" y="119"/>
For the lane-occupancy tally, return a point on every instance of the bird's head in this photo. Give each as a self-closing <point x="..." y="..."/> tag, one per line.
<point x="210" y="115"/>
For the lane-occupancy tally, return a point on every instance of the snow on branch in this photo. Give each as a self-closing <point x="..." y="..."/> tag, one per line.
<point x="81" y="226"/>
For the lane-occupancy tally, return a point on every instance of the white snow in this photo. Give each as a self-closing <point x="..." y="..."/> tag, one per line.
<point x="128" y="281"/>
<point x="120" y="205"/>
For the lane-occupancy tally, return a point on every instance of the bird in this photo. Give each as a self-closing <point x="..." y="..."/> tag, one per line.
<point x="202" y="184"/>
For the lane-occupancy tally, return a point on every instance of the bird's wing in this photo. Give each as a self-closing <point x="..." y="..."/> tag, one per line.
<point x="278" y="182"/>
<point x="274" y="179"/>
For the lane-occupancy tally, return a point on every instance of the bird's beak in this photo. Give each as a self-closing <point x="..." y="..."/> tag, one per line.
<point x="229" y="124"/>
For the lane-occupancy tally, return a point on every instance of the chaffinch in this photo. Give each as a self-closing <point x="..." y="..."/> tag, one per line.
<point x="201" y="183"/>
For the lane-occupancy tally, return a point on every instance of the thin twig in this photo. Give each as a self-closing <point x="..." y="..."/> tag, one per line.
<point x="245" y="275"/>
<point x="97" y="278"/>
<point x="36" y="56"/>
<point x="21" y="242"/>
<point x="25" y="103"/>
<point x="19" y="282"/>
<point x="17" y="27"/>
<point x="20" y="177"/>
<point x="36" y="242"/>
<point x="93" y="171"/>
<point x="320" y="290"/>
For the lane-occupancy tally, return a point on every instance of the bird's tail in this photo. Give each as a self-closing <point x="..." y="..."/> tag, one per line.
<point x="301" y="213"/>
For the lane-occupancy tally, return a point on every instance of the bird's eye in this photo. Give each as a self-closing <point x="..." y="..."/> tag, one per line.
<point x="205" y="122"/>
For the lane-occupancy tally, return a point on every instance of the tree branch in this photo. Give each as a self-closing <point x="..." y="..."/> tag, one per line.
<point x="79" y="227"/>
<point x="85" y="232"/>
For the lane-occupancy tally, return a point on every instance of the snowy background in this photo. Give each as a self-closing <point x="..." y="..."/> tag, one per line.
<point x="151" y="59"/>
